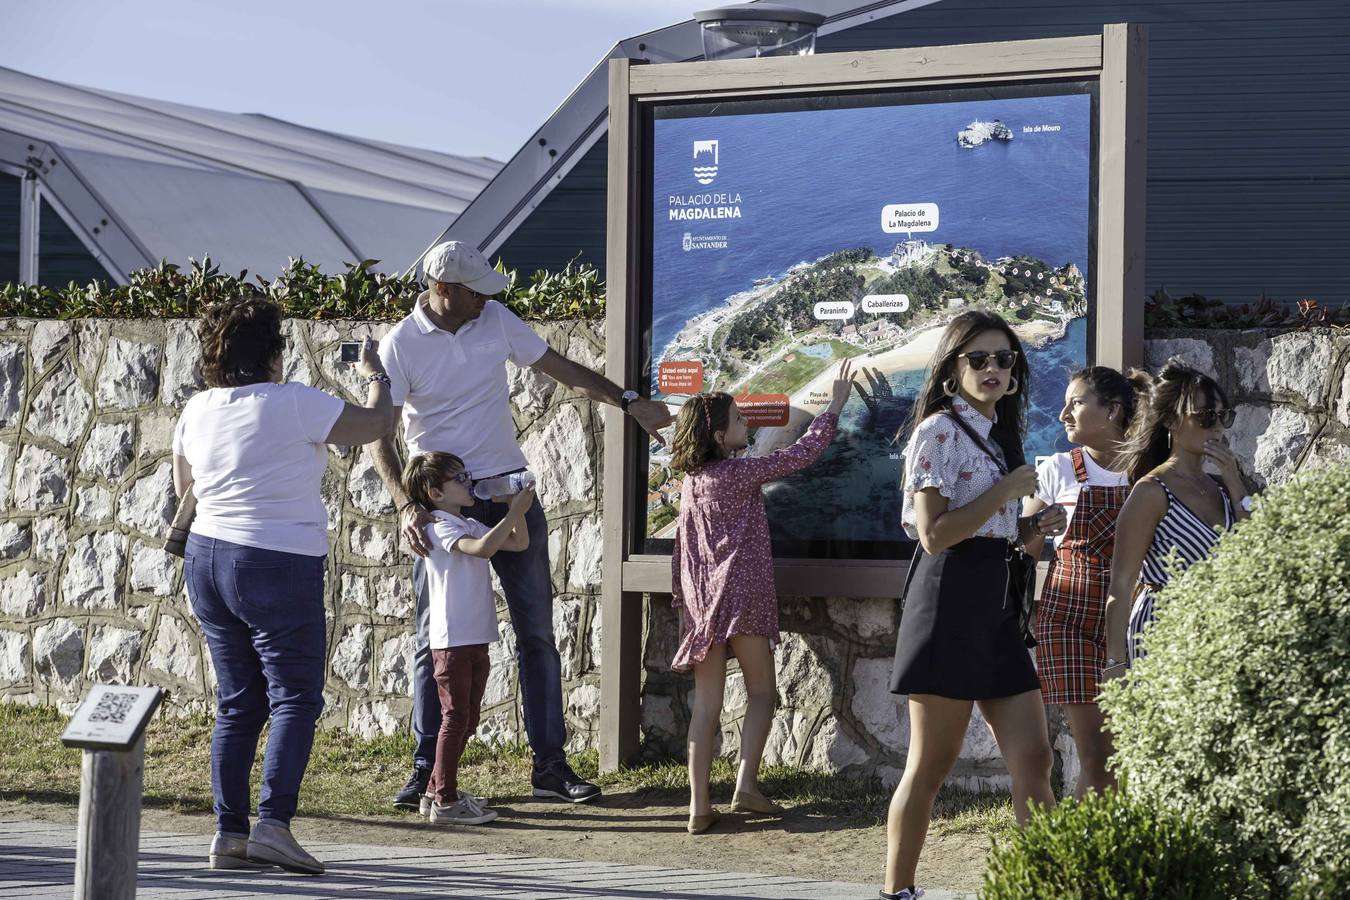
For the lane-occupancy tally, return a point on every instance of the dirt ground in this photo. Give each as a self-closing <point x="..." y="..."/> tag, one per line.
<point x="620" y="829"/>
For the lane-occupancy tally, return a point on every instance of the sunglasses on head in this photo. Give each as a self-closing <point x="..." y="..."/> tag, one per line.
<point x="1206" y="418"/>
<point x="978" y="359"/>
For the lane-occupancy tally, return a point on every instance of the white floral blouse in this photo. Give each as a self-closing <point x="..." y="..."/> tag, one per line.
<point x="940" y="455"/>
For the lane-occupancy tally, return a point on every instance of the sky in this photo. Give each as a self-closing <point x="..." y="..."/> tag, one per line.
<point x="470" y="77"/>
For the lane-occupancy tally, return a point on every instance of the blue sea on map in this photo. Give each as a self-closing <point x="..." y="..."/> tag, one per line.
<point x="814" y="182"/>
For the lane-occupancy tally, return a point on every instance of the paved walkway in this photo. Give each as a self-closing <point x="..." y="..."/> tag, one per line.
<point x="37" y="860"/>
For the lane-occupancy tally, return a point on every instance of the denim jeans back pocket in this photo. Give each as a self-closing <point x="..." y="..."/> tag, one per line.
<point x="263" y="586"/>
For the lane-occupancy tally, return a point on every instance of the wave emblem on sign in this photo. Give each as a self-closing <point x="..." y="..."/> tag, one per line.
<point x="705" y="152"/>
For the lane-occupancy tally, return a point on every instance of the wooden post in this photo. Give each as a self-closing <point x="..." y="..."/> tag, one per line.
<point x="110" y="823"/>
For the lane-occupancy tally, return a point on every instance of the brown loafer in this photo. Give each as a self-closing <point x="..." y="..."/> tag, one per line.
<point x="755" y="803"/>
<point x="700" y="824"/>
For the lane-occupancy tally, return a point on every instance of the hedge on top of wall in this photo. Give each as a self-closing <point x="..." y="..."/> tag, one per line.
<point x="167" y="291"/>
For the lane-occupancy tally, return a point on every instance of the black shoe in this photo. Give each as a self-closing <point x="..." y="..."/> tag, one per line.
<point x="411" y="795"/>
<point x="560" y="781"/>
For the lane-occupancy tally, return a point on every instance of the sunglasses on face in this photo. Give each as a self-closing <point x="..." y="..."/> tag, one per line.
<point x="1207" y="418"/>
<point x="978" y="359"/>
<point x="463" y="477"/>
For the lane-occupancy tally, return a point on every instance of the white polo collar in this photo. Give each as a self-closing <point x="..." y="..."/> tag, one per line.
<point x="424" y="323"/>
<point x="973" y="416"/>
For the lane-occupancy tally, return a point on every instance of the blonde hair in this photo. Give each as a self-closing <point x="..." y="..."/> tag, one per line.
<point x="700" y="418"/>
<point x="426" y="472"/>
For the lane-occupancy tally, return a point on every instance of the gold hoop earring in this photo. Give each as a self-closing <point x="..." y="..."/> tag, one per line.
<point x="1012" y="385"/>
<point x="949" y="387"/>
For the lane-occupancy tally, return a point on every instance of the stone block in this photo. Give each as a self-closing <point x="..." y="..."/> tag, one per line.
<point x="49" y="339"/>
<point x="153" y="570"/>
<point x="156" y="434"/>
<point x="1268" y="440"/>
<point x="501" y="683"/>
<point x="149" y="504"/>
<point x="869" y="619"/>
<point x="561" y="455"/>
<point x="1300" y="364"/>
<point x="658" y="718"/>
<point x="1195" y="353"/>
<point x="367" y="490"/>
<point x="377" y="542"/>
<point x="12" y="383"/>
<point x="875" y="709"/>
<point x="91" y="335"/>
<point x="129" y="376"/>
<point x="113" y="653"/>
<point x="7" y="453"/>
<point x="14" y="658"/>
<point x="587" y="348"/>
<point x="58" y="653"/>
<point x="174" y="651"/>
<point x="530" y="390"/>
<point x="1067" y="751"/>
<point x="351" y="656"/>
<point x="396" y="664"/>
<point x="91" y="571"/>
<point x="499" y="728"/>
<point x="182" y="375"/>
<point x="93" y="504"/>
<point x="49" y="537"/>
<point x="23" y="594"/>
<point x="584" y="553"/>
<point x="297" y="365"/>
<point x="15" y="539"/>
<point x="375" y="719"/>
<point x="41" y="480"/>
<point x="566" y="619"/>
<point x="832" y="750"/>
<point x="1343" y="400"/>
<point x="107" y="450"/>
<point x="583" y="703"/>
<point x="60" y="408"/>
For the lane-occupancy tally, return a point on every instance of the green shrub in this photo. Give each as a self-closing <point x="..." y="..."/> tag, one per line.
<point x="1240" y="714"/>
<point x="168" y="292"/>
<point x="1107" y="847"/>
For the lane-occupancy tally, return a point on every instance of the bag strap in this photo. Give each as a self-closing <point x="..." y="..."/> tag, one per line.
<point x="979" y="441"/>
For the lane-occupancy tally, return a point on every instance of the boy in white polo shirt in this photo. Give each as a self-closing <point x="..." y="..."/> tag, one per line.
<point x="463" y="616"/>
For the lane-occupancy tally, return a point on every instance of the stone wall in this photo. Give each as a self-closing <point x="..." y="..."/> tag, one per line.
<point x="86" y="417"/>
<point x="87" y="411"/>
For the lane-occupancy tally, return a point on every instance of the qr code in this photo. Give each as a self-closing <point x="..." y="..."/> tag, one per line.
<point x="113" y="707"/>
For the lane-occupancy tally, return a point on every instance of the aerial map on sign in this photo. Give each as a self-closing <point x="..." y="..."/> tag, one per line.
<point x="786" y="240"/>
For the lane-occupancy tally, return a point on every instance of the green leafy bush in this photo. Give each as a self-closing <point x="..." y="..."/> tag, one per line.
<point x="1198" y="311"/>
<point x="168" y="292"/>
<point x="1240" y="714"/>
<point x="1108" y="847"/>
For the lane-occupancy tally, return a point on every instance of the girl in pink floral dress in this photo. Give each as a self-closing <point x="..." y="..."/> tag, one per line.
<point x="722" y="580"/>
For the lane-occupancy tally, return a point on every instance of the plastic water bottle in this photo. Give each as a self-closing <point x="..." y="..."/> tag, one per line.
<point x="504" y="485"/>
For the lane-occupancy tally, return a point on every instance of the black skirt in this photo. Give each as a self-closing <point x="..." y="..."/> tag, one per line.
<point x="959" y="635"/>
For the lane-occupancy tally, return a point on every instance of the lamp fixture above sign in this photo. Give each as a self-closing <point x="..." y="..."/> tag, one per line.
<point x="758" y="29"/>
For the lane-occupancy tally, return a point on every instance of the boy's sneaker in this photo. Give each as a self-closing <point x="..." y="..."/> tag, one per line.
<point x="558" y="780"/>
<point x="424" y="806"/>
<point x="909" y="893"/>
<point x="410" y="796"/>
<point x="462" y="812"/>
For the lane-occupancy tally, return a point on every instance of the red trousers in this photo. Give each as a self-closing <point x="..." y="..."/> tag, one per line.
<point x="461" y="677"/>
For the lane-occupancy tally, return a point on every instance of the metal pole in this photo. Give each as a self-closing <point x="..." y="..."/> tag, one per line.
<point x="30" y="208"/>
<point x="110" y="823"/>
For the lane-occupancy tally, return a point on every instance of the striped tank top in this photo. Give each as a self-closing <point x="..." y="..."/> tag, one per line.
<point x="1193" y="539"/>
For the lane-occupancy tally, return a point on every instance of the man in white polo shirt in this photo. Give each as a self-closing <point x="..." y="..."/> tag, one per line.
<point x="447" y="365"/>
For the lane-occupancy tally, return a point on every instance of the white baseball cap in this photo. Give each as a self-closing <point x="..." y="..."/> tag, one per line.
<point x="454" y="262"/>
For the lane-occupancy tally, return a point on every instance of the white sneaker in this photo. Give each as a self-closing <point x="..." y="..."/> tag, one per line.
<point x="272" y="842"/>
<point x="903" y="894"/>
<point x="424" y="805"/>
<point x="464" y="811"/>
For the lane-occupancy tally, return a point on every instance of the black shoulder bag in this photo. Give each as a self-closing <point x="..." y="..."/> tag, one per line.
<point x="1021" y="565"/>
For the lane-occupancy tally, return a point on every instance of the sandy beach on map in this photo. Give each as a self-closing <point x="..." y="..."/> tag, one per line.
<point x="913" y="355"/>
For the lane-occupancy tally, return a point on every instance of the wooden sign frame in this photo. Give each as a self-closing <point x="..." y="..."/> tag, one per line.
<point x="1116" y="59"/>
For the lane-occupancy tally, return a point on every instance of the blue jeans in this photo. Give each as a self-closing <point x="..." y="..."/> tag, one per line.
<point x="261" y="612"/>
<point x="528" y="586"/>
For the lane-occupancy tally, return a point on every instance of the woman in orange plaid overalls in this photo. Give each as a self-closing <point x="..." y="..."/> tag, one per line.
<point x="1071" y="615"/>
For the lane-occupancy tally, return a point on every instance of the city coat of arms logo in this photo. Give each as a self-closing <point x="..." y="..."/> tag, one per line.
<point x="705" y="161"/>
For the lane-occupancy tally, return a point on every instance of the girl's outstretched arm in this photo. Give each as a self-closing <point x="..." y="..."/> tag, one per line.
<point x="810" y="445"/>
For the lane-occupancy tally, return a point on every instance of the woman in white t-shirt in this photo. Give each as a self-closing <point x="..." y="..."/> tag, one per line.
<point x="252" y="450"/>
<point x="1099" y="406"/>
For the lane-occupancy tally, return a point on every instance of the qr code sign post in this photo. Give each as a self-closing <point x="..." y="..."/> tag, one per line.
<point x="112" y="717"/>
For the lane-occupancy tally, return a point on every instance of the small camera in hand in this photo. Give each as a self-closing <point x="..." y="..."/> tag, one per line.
<point x="351" y="351"/>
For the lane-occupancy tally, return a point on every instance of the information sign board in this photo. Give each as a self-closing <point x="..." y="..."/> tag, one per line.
<point x="112" y="717"/>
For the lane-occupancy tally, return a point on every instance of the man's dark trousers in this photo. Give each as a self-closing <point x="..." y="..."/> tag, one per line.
<point x="528" y="585"/>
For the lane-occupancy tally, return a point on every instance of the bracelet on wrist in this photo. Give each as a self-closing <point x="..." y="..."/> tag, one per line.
<point x="379" y="378"/>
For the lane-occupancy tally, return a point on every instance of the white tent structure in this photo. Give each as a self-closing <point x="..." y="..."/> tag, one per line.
<point x="96" y="184"/>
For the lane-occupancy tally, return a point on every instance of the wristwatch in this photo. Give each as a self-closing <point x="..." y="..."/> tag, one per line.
<point x="626" y="398"/>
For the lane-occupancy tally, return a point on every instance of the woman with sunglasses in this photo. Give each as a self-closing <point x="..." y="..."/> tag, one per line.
<point x="1100" y="403"/>
<point x="960" y="640"/>
<point x="1174" y="504"/>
